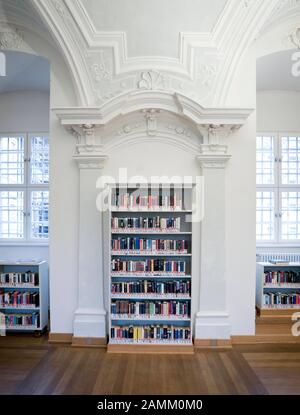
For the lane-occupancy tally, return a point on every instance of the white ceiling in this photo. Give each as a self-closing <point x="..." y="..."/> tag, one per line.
<point x="25" y="72"/>
<point x="153" y="26"/>
<point x="274" y="72"/>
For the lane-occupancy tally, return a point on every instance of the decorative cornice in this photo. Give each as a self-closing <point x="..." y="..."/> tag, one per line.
<point x="175" y="103"/>
<point x="213" y="161"/>
<point x="90" y="161"/>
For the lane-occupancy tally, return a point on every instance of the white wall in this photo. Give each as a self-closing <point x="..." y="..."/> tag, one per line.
<point x="24" y="111"/>
<point x="278" y="111"/>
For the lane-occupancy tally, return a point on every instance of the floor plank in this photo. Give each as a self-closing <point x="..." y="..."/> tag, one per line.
<point x="31" y="365"/>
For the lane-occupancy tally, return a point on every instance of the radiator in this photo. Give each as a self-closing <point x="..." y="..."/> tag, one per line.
<point x="267" y="256"/>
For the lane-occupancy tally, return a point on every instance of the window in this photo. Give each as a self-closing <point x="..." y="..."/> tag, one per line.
<point x="278" y="188"/>
<point x="24" y="187"/>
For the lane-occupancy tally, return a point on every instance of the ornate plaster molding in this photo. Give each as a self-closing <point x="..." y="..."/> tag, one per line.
<point x="154" y="100"/>
<point x="10" y="38"/>
<point x="214" y="124"/>
<point x="213" y="161"/>
<point x="195" y="73"/>
<point x="92" y="161"/>
<point x="88" y="152"/>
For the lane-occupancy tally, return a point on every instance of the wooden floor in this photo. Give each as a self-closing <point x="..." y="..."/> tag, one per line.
<point x="33" y="366"/>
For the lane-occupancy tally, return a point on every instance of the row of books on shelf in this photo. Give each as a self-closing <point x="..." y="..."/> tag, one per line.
<point x="281" y="277"/>
<point x="153" y="332"/>
<point x="152" y="308"/>
<point x="151" y="287"/>
<point x="277" y="298"/>
<point x="19" y="278"/>
<point x="125" y="201"/>
<point x="11" y="320"/>
<point x="150" y="245"/>
<point x="149" y="265"/>
<point x="19" y="299"/>
<point x="146" y="223"/>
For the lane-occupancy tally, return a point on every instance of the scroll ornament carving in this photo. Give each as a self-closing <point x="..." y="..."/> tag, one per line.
<point x="151" y="80"/>
<point x="10" y="39"/>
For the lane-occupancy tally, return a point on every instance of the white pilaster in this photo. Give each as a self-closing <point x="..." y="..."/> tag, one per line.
<point x="212" y="318"/>
<point x="89" y="317"/>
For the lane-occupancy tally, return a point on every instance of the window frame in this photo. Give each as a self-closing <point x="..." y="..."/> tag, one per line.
<point x="27" y="188"/>
<point x="278" y="188"/>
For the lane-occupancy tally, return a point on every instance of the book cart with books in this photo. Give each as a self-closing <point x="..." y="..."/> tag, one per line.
<point x="24" y="302"/>
<point x="277" y="289"/>
<point x="150" y="269"/>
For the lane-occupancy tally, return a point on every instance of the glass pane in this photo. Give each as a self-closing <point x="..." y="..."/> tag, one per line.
<point x="290" y="220"/>
<point x="290" y="163"/>
<point x="39" y="214"/>
<point x="39" y="160"/>
<point x="265" y="155"/>
<point x="11" y="214"/>
<point x="12" y="160"/>
<point x="265" y="216"/>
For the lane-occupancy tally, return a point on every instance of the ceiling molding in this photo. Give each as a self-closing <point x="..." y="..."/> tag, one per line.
<point x="162" y="100"/>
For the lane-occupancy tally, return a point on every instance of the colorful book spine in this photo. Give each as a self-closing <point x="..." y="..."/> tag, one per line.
<point x="19" y="299"/>
<point x="19" y="278"/>
<point x="149" y="245"/>
<point x="279" y="299"/>
<point x="28" y="320"/>
<point x="146" y="223"/>
<point x="281" y="277"/>
<point x="131" y="201"/>
<point x="148" y="333"/>
<point x="151" y="287"/>
<point x="151" y="308"/>
<point x="149" y="265"/>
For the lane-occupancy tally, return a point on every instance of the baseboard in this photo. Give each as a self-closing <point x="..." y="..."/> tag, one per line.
<point x="89" y="342"/>
<point x="60" y="337"/>
<point x="150" y="349"/>
<point x="210" y="343"/>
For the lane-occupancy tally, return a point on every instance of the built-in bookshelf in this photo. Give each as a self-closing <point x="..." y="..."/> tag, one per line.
<point x="24" y="303"/>
<point x="150" y="268"/>
<point x="277" y="289"/>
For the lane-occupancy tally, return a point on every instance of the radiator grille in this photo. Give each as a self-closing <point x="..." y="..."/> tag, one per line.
<point x="267" y="256"/>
